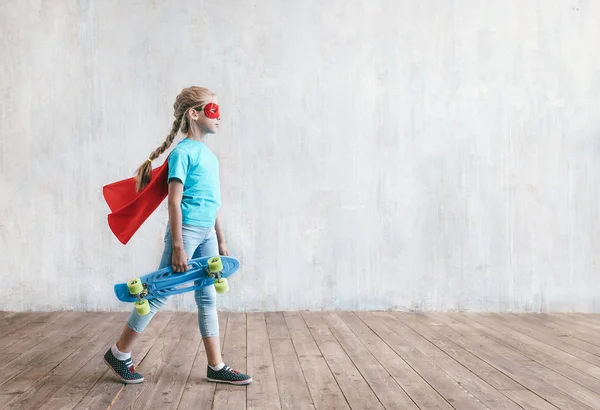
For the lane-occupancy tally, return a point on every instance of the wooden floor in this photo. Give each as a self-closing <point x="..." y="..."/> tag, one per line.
<point x="327" y="361"/>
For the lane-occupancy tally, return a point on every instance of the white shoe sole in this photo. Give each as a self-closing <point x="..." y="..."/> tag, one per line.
<point x="240" y="383"/>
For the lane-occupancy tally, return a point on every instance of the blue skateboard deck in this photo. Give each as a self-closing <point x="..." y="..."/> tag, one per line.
<point x="165" y="282"/>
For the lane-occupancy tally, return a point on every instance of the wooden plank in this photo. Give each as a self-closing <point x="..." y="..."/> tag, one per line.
<point x="589" y="321"/>
<point x="417" y="388"/>
<point x="417" y="335"/>
<point x="568" y="344"/>
<point x="27" y="337"/>
<point x="451" y="389"/>
<point x="4" y="313"/>
<point x="587" y="340"/>
<point x="29" y="332"/>
<point x="324" y="390"/>
<point x="234" y="355"/>
<point x="6" y="358"/>
<point x="198" y="393"/>
<point x="293" y="390"/>
<point x="525" y="371"/>
<point x="94" y="342"/>
<point x="357" y="391"/>
<point x="519" y="357"/>
<point x="181" y="325"/>
<point x="388" y="391"/>
<point x="35" y="332"/>
<point x="529" y="400"/>
<point x="425" y="326"/>
<point x="562" y="328"/>
<point x="166" y="367"/>
<point x="575" y="373"/>
<point x="262" y="393"/>
<point x="54" y="347"/>
<point x="562" y="323"/>
<point x="73" y="389"/>
<point x="108" y="387"/>
<point x="559" y="361"/>
<point x="276" y="326"/>
<point x="582" y="322"/>
<point x="470" y="381"/>
<point x="167" y="392"/>
<point x="421" y="324"/>
<point x="17" y="320"/>
<point x="228" y="399"/>
<point x="17" y="386"/>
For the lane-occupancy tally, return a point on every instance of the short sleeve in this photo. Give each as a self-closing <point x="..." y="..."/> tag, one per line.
<point x="179" y="162"/>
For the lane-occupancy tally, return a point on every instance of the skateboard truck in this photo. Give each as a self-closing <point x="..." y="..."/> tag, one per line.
<point x="214" y="269"/>
<point x="139" y="290"/>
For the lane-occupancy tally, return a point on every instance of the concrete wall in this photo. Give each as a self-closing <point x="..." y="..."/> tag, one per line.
<point x="375" y="154"/>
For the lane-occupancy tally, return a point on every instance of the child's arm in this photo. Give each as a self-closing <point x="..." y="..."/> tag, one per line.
<point x="179" y="256"/>
<point x="221" y="238"/>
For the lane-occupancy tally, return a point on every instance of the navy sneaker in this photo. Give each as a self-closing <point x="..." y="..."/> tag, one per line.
<point x="124" y="369"/>
<point x="227" y="375"/>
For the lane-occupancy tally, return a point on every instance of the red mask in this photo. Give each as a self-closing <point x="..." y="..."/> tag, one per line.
<point x="211" y="110"/>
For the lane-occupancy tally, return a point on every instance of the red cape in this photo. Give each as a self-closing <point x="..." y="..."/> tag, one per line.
<point x="129" y="208"/>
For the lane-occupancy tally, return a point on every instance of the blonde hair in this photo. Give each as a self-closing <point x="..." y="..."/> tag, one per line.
<point x="191" y="97"/>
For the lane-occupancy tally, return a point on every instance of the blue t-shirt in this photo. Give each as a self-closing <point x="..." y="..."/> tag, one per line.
<point x="197" y="168"/>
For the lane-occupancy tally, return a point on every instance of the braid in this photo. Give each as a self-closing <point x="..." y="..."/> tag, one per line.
<point x="168" y="141"/>
<point x="144" y="172"/>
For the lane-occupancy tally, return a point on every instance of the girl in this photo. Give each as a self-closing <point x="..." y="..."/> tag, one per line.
<point x="194" y="229"/>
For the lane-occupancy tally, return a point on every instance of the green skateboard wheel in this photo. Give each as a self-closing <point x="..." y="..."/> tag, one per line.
<point x="215" y="264"/>
<point x="221" y="286"/>
<point x="135" y="286"/>
<point x="142" y="307"/>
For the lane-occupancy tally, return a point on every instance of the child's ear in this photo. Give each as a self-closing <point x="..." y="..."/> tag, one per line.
<point x="193" y="114"/>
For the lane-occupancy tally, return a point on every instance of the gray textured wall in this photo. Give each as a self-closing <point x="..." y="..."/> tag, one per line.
<point x="375" y="154"/>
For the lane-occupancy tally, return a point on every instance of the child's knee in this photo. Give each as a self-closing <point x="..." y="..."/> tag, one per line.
<point x="206" y="298"/>
<point x="157" y="303"/>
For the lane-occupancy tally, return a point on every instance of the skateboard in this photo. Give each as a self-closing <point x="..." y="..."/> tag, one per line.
<point x="202" y="272"/>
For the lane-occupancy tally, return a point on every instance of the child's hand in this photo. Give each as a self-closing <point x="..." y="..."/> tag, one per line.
<point x="179" y="260"/>
<point x="223" y="249"/>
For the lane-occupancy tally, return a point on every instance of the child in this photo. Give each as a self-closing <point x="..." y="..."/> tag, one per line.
<point x="194" y="229"/>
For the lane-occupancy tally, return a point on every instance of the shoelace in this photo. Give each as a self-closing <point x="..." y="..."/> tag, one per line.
<point x="229" y="369"/>
<point x="130" y="367"/>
